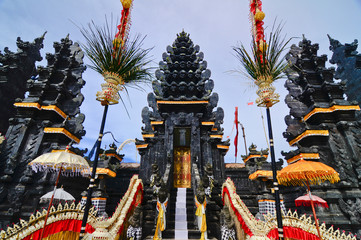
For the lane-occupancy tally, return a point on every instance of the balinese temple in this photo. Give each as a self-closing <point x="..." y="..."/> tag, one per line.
<point x="183" y="180"/>
<point x="182" y="131"/>
<point x="322" y="126"/>
<point x="47" y="119"/>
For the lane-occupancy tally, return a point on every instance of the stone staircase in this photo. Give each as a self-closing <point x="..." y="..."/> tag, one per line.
<point x="181" y="219"/>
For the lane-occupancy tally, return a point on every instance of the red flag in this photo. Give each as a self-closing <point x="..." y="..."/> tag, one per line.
<point x="250" y="103"/>
<point x="236" y="137"/>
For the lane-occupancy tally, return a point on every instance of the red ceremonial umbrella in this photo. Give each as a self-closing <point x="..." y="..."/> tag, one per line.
<point x="306" y="201"/>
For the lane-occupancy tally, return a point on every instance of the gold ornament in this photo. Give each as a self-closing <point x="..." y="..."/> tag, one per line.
<point x="262" y="46"/>
<point x="117" y="43"/>
<point x="126" y="3"/>
<point x="259" y="16"/>
<point x="266" y="92"/>
<point x="111" y="77"/>
<point x="109" y="94"/>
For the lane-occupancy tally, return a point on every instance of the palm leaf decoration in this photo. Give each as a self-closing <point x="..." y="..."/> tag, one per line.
<point x="264" y="63"/>
<point x="125" y="60"/>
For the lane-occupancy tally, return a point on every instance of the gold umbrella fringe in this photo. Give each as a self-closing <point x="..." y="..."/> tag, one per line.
<point x="314" y="178"/>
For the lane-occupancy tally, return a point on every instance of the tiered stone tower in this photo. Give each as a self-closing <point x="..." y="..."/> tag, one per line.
<point x="47" y="119"/>
<point x="322" y="126"/>
<point x="182" y="120"/>
<point x="15" y="70"/>
<point x="182" y="134"/>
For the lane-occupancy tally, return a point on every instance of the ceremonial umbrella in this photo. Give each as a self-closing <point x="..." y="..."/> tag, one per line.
<point x="305" y="200"/>
<point x="305" y="173"/>
<point x="60" y="194"/>
<point x="64" y="162"/>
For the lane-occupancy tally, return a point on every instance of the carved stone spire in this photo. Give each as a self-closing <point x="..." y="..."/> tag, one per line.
<point x="183" y="74"/>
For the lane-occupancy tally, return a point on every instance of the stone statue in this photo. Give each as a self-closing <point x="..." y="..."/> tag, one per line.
<point x="201" y="203"/>
<point x="134" y="231"/>
<point x="155" y="179"/>
<point x="206" y="186"/>
<point x="162" y="202"/>
<point x="227" y="225"/>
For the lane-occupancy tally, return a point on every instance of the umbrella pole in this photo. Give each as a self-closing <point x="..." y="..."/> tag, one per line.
<point x="92" y="178"/>
<point x="313" y="210"/>
<point x="274" y="173"/>
<point x="51" y="202"/>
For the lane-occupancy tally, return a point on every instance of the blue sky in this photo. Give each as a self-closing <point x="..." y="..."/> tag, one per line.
<point x="215" y="26"/>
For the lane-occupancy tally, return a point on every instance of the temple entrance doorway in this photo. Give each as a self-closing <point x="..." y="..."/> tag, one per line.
<point x="182" y="158"/>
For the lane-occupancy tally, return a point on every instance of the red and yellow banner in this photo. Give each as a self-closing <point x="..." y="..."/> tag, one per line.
<point x="182" y="167"/>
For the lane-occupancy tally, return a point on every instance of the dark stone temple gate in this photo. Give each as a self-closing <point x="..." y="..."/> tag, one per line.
<point x="182" y="125"/>
<point x="182" y="135"/>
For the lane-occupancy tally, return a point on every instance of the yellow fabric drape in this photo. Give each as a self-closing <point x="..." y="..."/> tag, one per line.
<point x="200" y="213"/>
<point x="160" y="220"/>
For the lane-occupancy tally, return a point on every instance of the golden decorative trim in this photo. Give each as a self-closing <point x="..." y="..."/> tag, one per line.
<point x="308" y="133"/>
<point x="207" y="123"/>
<point x="30" y="105"/>
<point x="331" y="109"/>
<point x="141" y="146"/>
<point x="99" y="198"/>
<point x="148" y="135"/>
<point x="216" y="136"/>
<point x="269" y="200"/>
<point x="181" y="102"/>
<point x="261" y="174"/>
<point x="38" y="106"/>
<point x="104" y="171"/>
<point x="214" y="129"/>
<point x="304" y="156"/>
<point x="84" y="197"/>
<point x="27" y="229"/>
<point x="156" y="122"/>
<point x="63" y="150"/>
<point x="222" y="146"/>
<point x="244" y="219"/>
<point x="62" y="131"/>
<point x="56" y="109"/>
<point x="114" y="155"/>
<point x="254" y="156"/>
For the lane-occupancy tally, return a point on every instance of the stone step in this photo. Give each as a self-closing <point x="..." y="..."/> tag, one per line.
<point x="180" y="235"/>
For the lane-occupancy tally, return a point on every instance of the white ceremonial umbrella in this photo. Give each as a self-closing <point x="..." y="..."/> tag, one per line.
<point x="60" y="194"/>
<point x="62" y="162"/>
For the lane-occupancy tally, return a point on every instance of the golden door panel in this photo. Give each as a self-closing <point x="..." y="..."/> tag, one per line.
<point x="182" y="167"/>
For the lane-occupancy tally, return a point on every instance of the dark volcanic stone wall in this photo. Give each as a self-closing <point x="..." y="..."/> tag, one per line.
<point x="53" y="102"/>
<point x="312" y="87"/>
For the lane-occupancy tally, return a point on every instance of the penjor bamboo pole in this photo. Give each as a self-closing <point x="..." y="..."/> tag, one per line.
<point x="274" y="173"/>
<point x="92" y="178"/>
